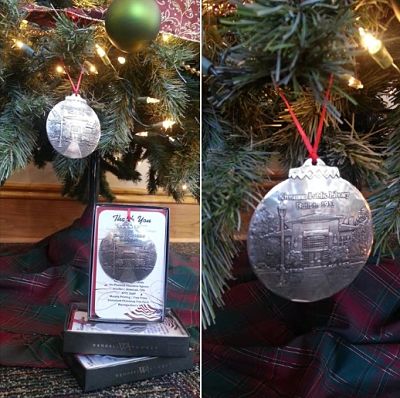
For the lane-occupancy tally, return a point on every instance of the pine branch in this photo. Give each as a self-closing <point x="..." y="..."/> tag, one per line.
<point x="18" y="134"/>
<point x="385" y="202"/>
<point x="166" y="80"/>
<point x="229" y="175"/>
<point x="112" y="93"/>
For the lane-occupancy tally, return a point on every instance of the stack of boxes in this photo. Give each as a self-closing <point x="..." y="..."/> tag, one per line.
<point x="104" y="354"/>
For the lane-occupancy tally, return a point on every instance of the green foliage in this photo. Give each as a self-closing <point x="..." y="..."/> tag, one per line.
<point x="296" y="45"/>
<point x="18" y="133"/>
<point x="385" y="202"/>
<point x="229" y="170"/>
<point x="297" y="42"/>
<point x="30" y="87"/>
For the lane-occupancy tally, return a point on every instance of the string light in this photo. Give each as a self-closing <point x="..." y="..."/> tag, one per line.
<point x="103" y="55"/>
<point x="184" y="187"/>
<point x="93" y="69"/>
<point x="376" y="49"/>
<point x="166" y="37"/>
<point x="168" y="123"/>
<point x="100" y="51"/>
<point x="171" y="139"/>
<point x="121" y="60"/>
<point x="60" y="69"/>
<point x="355" y="83"/>
<point x="19" y="44"/>
<point x="142" y="134"/>
<point x="190" y="69"/>
<point x="90" y="68"/>
<point x="148" y="100"/>
<point x="24" y="47"/>
<point x="369" y="42"/>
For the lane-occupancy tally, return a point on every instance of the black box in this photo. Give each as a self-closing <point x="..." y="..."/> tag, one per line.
<point x="129" y="259"/>
<point x="99" y="371"/>
<point x="168" y="338"/>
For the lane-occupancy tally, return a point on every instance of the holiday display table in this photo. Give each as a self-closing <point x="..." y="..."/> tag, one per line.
<point x="345" y="346"/>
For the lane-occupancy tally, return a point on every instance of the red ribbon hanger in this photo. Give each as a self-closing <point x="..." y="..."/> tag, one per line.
<point x="75" y="88"/>
<point x="312" y="149"/>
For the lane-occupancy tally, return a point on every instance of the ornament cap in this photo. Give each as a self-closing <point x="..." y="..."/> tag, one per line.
<point x="75" y="97"/>
<point x="309" y="170"/>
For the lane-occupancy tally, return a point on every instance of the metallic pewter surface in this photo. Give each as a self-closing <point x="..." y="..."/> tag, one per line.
<point x="310" y="235"/>
<point x="73" y="127"/>
<point x="127" y="256"/>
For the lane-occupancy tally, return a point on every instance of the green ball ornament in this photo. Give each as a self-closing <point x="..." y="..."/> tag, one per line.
<point x="132" y="24"/>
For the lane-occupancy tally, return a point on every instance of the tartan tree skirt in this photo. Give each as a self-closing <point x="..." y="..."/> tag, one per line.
<point x="346" y="346"/>
<point x="37" y="286"/>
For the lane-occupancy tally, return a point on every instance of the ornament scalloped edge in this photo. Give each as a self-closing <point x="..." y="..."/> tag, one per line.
<point x="308" y="170"/>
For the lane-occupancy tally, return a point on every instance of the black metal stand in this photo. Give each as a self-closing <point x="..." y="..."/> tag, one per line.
<point x="94" y="178"/>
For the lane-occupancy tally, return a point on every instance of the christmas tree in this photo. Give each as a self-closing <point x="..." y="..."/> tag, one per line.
<point x="146" y="99"/>
<point x="251" y="49"/>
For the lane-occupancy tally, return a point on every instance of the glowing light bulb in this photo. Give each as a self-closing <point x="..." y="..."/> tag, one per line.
<point x="184" y="187"/>
<point x="172" y="139"/>
<point x="166" y="37"/>
<point x="168" y="123"/>
<point x="90" y="68"/>
<point x="24" y="47"/>
<point x="100" y="51"/>
<point x="121" y="60"/>
<point x="150" y="100"/>
<point x="60" y="69"/>
<point x="103" y="55"/>
<point x="142" y="134"/>
<point x="377" y="50"/>
<point x="355" y="83"/>
<point x="369" y="42"/>
<point x="18" y="43"/>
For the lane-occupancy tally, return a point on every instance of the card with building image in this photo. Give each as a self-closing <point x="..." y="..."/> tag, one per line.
<point x="129" y="263"/>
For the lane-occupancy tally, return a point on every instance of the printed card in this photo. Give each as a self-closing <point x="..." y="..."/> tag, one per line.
<point x="129" y="262"/>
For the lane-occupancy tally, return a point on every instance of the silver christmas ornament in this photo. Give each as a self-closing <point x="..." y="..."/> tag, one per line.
<point x="126" y="255"/>
<point x="73" y="127"/>
<point x="311" y="234"/>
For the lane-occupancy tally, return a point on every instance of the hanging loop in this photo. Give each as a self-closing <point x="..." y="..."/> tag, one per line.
<point x="312" y="149"/>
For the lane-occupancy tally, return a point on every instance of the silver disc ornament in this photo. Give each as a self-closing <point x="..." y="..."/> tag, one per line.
<point x="73" y="127"/>
<point x="311" y="234"/>
<point x="127" y="255"/>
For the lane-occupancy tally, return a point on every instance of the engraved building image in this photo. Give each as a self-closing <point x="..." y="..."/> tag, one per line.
<point x="304" y="254"/>
<point x="317" y="240"/>
<point x="125" y="256"/>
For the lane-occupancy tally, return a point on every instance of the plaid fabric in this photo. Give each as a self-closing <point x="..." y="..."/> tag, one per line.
<point x="347" y="346"/>
<point x="37" y="287"/>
